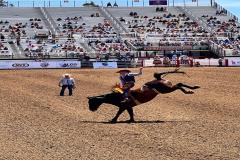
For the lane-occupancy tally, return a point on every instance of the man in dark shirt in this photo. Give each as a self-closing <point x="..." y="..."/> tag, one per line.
<point x="128" y="81"/>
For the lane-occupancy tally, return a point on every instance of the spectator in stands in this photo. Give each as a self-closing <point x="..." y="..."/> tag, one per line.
<point x="162" y="9"/>
<point x="2" y="37"/>
<point x="67" y="82"/>
<point x="220" y="62"/>
<point x="115" y="4"/>
<point x="18" y="38"/>
<point x="109" y="4"/>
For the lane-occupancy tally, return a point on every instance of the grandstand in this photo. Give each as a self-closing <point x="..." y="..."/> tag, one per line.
<point x="118" y="32"/>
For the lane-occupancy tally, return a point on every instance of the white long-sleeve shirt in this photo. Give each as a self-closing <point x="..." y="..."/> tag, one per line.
<point x="67" y="81"/>
<point x="135" y="74"/>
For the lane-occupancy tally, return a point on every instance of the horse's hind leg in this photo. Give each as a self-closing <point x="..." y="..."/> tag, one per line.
<point x="120" y="111"/>
<point x="182" y="89"/>
<point x="187" y="86"/>
<point x="130" y="112"/>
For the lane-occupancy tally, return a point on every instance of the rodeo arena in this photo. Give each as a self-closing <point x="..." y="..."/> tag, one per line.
<point x="119" y="80"/>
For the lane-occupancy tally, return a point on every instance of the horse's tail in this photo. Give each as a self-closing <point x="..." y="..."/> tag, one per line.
<point x="94" y="103"/>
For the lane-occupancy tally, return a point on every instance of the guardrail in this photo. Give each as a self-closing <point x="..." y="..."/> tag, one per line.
<point x="63" y="64"/>
<point x="221" y="8"/>
<point x="108" y="16"/>
<point x="196" y="19"/>
<point x="49" y="21"/>
<point x="52" y="22"/>
<point x="93" y="63"/>
<point x="78" y="3"/>
<point x="115" y="20"/>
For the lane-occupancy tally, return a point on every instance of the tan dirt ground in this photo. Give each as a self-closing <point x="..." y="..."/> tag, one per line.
<point x="36" y="123"/>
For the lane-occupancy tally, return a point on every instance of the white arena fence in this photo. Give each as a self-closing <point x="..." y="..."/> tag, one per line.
<point x="24" y="64"/>
<point x="76" y="64"/>
<point x="207" y="62"/>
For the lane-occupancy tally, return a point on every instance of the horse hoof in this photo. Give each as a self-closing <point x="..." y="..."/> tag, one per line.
<point x="196" y="87"/>
<point x="113" y="121"/>
<point x="190" y="92"/>
<point x="130" y="121"/>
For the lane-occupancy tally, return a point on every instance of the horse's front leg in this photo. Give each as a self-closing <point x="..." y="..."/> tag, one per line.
<point x="130" y="112"/>
<point x="120" y="111"/>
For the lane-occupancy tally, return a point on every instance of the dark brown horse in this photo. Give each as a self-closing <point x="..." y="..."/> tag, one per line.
<point x="138" y="96"/>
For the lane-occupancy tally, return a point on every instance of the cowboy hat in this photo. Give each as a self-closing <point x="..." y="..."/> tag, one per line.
<point x="123" y="70"/>
<point x="66" y="75"/>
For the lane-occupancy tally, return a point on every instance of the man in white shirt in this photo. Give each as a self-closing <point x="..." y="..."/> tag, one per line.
<point x="66" y="82"/>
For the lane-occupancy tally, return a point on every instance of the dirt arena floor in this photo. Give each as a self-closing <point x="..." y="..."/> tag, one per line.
<point x="36" y="123"/>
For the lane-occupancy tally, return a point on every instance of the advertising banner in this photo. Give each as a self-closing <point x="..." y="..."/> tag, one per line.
<point x="39" y="64"/>
<point x="98" y="65"/>
<point x="207" y="62"/>
<point x="234" y="62"/>
<point x="14" y="65"/>
<point x="148" y="63"/>
<point x="68" y="64"/>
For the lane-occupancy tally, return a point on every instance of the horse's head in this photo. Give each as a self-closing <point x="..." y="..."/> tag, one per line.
<point x="113" y="98"/>
<point x="157" y="76"/>
<point x="94" y="103"/>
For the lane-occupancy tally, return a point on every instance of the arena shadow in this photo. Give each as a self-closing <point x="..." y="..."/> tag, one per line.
<point x="136" y="122"/>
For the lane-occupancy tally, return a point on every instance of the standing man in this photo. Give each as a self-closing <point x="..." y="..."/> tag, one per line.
<point x="66" y="82"/>
<point x="220" y="62"/>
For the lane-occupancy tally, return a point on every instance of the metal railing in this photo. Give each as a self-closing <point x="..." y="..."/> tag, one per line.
<point x="227" y="12"/>
<point x="50" y="22"/>
<point x="196" y="19"/>
<point x="115" y="21"/>
<point x="109" y="17"/>
<point x="78" y="3"/>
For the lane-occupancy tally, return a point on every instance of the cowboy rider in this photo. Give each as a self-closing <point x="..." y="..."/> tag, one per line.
<point x="127" y="79"/>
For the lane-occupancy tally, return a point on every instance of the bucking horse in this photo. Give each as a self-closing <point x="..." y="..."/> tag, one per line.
<point x="139" y="96"/>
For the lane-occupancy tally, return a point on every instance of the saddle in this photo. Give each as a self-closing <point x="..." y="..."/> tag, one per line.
<point x="117" y="89"/>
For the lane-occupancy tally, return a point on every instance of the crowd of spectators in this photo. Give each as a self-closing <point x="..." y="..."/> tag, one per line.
<point x="4" y="50"/>
<point x="99" y="34"/>
<point x="3" y="47"/>
<point x="221" y="13"/>
<point x="169" y="25"/>
<point x="165" y="29"/>
<point x="110" y="5"/>
<point x="58" y="48"/>
<point x="109" y="46"/>
<point x="161" y="9"/>
<point x="76" y="25"/>
<point x="219" y="26"/>
<point x="226" y="31"/>
<point x="175" y="30"/>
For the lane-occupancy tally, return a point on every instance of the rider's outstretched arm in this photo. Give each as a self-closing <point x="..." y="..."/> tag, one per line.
<point x="159" y="75"/>
<point x="171" y="72"/>
<point x="136" y="74"/>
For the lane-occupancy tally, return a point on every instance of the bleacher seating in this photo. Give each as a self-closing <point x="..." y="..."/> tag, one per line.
<point x="147" y="27"/>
